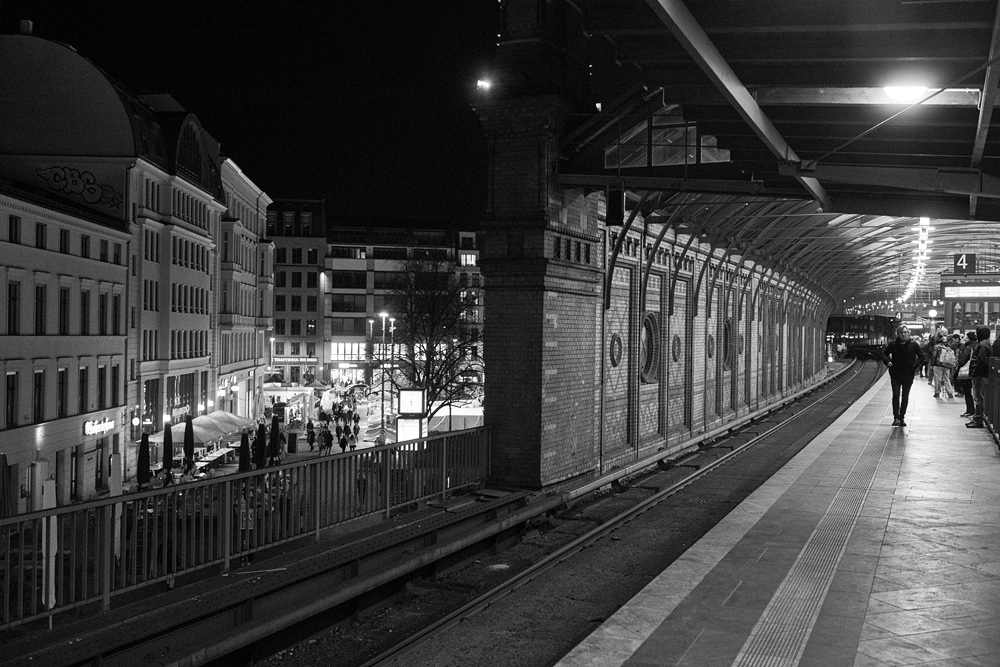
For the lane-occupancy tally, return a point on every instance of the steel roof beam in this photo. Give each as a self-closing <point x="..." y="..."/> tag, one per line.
<point x="924" y="179"/>
<point x="686" y="30"/>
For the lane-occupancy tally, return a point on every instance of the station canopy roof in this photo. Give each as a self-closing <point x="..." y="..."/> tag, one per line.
<point x="809" y="135"/>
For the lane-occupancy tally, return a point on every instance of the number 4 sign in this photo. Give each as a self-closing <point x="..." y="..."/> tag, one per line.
<point x="965" y="263"/>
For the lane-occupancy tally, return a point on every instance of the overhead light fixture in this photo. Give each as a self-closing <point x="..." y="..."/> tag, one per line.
<point x="483" y="84"/>
<point x="905" y="93"/>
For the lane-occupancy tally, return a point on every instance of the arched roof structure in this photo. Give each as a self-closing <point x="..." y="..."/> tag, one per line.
<point x="770" y="126"/>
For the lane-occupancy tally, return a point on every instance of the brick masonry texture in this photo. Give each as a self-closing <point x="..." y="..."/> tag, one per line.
<point x="559" y="409"/>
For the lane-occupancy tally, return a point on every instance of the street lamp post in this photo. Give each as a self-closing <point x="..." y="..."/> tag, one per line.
<point x="392" y="357"/>
<point x="382" y="367"/>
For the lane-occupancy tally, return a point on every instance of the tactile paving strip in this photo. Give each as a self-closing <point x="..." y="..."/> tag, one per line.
<point x="780" y="636"/>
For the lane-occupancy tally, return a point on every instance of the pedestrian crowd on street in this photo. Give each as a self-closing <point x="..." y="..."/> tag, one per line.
<point x="342" y="425"/>
<point x="953" y="364"/>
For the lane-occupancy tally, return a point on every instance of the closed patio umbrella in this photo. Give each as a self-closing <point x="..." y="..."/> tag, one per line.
<point x="188" y="445"/>
<point x="274" y="446"/>
<point x="260" y="447"/>
<point x="245" y="465"/>
<point x="142" y="474"/>
<point x="168" y="451"/>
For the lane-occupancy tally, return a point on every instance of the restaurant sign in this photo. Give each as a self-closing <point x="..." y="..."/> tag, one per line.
<point x="97" y="427"/>
<point x="294" y="360"/>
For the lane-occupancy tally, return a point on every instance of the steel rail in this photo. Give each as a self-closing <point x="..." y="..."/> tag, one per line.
<point x="570" y="549"/>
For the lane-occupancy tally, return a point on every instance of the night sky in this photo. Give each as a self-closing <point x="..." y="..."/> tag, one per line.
<point x="365" y="103"/>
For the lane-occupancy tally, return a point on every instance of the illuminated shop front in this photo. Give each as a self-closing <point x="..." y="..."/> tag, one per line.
<point x="295" y="370"/>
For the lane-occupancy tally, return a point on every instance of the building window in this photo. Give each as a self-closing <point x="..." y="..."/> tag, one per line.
<point x="62" y="391"/>
<point x="63" y="311"/>
<point x="310" y="349"/>
<point x="102" y="387"/>
<point x="84" y="313"/>
<point x="280" y="256"/>
<point x="10" y="402"/>
<point x="312" y="256"/>
<point x="41" y="234"/>
<point x="14" y="229"/>
<point x="469" y="259"/>
<point x="296" y="279"/>
<point x="118" y="253"/>
<point x="311" y="304"/>
<point x="38" y="397"/>
<point x="310" y="327"/>
<point x="279" y="302"/>
<point x="116" y="315"/>
<point x="64" y="241"/>
<point x="296" y="303"/>
<point x="279" y="279"/>
<point x="13" y="308"/>
<point x="279" y="327"/>
<point x="296" y="255"/>
<point x="73" y="462"/>
<point x="115" y="385"/>
<point x="102" y="314"/>
<point x="279" y="348"/>
<point x="104" y="250"/>
<point x="84" y="389"/>
<point x="84" y="246"/>
<point x="296" y="327"/>
<point x="296" y="349"/>
<point x="312" y="279"/>
<point x="40" y="298"/>
<point x="99" y="465"/>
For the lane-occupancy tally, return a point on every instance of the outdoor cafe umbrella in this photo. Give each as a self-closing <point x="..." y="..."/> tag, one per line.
<point x="188" y="445"/>
<point x="168" y="450"/>
<point x="142" y="474"/>
<point x="245" y="465"/>
<point x="274" y="447"/>
<point x="260" y="447"/>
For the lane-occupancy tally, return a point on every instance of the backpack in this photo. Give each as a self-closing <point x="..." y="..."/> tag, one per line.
<point x="946" y="357"/>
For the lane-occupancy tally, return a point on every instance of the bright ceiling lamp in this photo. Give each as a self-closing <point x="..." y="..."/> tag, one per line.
<point x="905" y="93"/>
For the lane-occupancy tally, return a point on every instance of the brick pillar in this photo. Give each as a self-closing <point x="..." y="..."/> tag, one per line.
<point x="541" y="261"/>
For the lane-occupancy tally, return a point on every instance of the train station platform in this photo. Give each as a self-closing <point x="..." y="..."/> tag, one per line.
<point x="876" y="545"/>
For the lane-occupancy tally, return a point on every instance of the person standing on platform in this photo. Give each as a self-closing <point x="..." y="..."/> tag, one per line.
<point x="944" y="364"/>
<point x="979" y="372"/>
<point x="903" y="357"/>
<point x="965" y="384"/>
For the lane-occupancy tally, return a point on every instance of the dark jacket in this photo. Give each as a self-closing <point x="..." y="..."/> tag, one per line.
<point x="981" y="360"/>
<point x="906" y="358"/>
<point x="964" y="355"/>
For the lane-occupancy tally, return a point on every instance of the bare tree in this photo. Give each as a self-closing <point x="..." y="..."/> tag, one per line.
<point x="434" y="333"/>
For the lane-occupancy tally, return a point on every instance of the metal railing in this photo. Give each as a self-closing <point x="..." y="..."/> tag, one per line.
<point x="63" y="558"/>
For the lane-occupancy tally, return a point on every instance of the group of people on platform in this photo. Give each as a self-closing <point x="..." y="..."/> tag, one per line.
<point x="342" y="425"/>
<point x="955" y="365"/>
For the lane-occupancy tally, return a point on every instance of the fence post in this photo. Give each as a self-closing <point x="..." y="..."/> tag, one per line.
<point x="107" y="543"/>
<point x="387" y="481"/>
<point x="226" y="508"/>
<point x="316" y="477"/>
<point x="444" y="467"/>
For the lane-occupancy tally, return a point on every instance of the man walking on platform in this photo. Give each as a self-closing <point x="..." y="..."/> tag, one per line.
<point x="903" y="357"/>
<point x="979" y="372"/>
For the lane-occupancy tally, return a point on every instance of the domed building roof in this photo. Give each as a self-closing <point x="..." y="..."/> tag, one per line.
<point x="62" y="104"/>
<point x="57" y="102"/>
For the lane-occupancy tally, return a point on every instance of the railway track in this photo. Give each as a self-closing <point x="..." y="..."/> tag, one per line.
<point x="447" y="615"/>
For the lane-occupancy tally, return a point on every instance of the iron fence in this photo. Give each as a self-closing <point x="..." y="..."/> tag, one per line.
<point x="84" y="554"/>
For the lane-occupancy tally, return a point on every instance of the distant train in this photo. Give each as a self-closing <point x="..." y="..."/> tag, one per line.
<point x="869" y="332"/>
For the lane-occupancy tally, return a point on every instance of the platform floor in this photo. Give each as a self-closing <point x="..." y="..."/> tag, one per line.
<point x="876" y="545"/>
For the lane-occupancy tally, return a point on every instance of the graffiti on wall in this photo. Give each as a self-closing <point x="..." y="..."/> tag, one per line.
<point x="81" y="184"/>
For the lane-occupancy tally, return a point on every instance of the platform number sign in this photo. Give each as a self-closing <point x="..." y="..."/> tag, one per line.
<point x="965" y="263"/>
